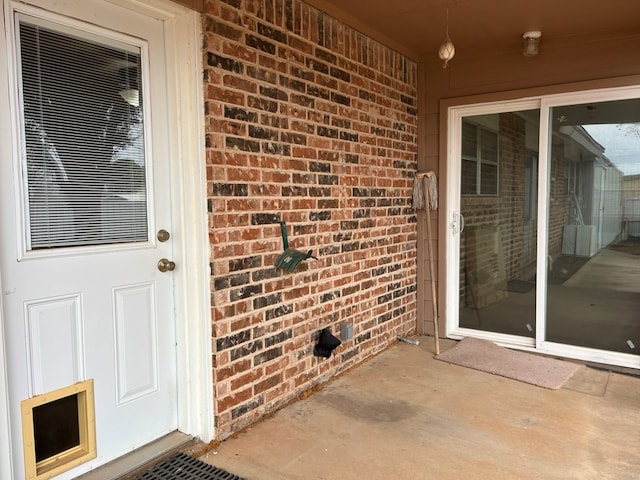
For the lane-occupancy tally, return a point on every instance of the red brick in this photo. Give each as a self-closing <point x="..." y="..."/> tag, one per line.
<point x="320" y="186"/>
<point x="246" y="379"/>
<point x="267" y="384"/>
<point x="233" y="400"/>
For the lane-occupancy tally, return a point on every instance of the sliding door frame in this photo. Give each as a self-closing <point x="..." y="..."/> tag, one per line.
<point x="455" y="220"/>
<point x="453" y="223"/>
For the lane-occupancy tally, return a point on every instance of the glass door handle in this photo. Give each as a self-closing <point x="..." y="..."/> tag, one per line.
<point x="457" y="226"/>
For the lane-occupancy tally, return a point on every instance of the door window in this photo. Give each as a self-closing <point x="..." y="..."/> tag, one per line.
<point x="84" y="170"/>
<point x="593" y="240"/>
<point x="498" y="244"/>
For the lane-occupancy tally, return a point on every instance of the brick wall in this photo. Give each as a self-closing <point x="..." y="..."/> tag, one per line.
<point x="560" y="204"/>
<point x="511" y="223"/>
<point x="504" y="215"/>
<point x="308" y="122"/>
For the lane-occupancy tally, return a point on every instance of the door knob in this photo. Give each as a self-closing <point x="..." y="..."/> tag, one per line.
<point x="163" y="235"/>
<point x="165" y="265"/>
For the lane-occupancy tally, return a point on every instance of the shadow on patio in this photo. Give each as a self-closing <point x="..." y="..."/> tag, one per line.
<point x="404" y="415"/>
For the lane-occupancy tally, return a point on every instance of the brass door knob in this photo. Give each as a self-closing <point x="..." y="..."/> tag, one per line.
<point x="165" y="265"/>
<point x="163" y="235"/>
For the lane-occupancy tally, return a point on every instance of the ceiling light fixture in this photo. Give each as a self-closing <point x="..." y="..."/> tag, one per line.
<point x="531" y="42"/>
<point x="447" y="50"/>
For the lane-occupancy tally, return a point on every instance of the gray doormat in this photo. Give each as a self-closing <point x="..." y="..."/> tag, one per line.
<point x="526" y="367"/>
<point x="181" y="466"/>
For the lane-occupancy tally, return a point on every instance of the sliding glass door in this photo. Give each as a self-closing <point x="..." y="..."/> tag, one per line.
<point x="498" y="184"/>
<point x="543" y="248"/>
<point x="593" y="239"/>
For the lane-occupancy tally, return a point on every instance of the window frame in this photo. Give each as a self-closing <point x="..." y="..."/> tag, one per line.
<point x="480" y="161"/>
<point x="531" y="187"/>
<point x="65" y="26"/>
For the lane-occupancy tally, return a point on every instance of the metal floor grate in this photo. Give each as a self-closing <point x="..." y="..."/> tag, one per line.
<point x="181" y="466"/>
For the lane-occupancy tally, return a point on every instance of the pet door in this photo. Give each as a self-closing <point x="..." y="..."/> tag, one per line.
<point x="58" y="430"/>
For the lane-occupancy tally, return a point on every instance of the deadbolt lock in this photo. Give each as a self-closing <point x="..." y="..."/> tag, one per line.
<point x="163" y="235"/>
<point x="165" y="265"/>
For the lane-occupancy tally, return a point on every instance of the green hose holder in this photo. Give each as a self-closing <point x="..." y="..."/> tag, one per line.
<point x="291" y="257"/>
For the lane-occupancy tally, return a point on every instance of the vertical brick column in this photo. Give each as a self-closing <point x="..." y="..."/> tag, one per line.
<point x="312" y="123"/>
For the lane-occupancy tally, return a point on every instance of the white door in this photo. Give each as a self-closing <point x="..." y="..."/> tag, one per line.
<point x="84" y="174"/>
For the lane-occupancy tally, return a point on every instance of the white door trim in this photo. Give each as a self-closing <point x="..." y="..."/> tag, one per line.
<point x="6" y="451"/>
<point x="188" y="192"/>
<point x="6" y="465"/>
<point x="192" y="296"/>
<point x="193" y="329"/>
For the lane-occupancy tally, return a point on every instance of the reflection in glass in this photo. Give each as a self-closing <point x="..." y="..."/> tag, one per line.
<point x="83" y="134"/>
<point x="498" y="244"/>
<point x="593" y="283"/>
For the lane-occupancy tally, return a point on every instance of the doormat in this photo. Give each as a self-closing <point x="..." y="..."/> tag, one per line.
<point x="520" y="286"/>
<point x="181" y="466"/>
<point x="525" y="367"/>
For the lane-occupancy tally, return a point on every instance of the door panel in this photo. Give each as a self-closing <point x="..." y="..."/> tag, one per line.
<point x="136" y="348"/>
<point x="593" y="287"/>
<point x="55" y="343"/>
<point x="83" y="192"/>
<point x="498" y="243"/>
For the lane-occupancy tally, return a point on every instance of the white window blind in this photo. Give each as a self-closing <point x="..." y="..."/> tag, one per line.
<point x="83" y="136"/>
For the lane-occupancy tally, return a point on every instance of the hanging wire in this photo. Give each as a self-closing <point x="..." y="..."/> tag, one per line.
<point x="447" y="50"/>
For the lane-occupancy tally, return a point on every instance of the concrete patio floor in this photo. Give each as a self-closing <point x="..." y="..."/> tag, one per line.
<point x="404" y="415"/>
<point x="596" y="307"/>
